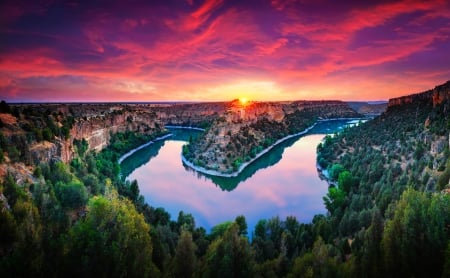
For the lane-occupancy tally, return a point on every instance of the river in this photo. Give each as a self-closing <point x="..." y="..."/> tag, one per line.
<point x="283" y="182"/>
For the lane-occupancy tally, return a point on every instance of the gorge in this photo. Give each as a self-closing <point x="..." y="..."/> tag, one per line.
<point x="62" y="196"/>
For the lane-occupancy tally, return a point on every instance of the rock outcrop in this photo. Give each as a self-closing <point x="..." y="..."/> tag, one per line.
<point x="436" y="96"/>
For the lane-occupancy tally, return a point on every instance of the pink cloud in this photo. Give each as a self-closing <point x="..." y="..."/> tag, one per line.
<point x="188" y="51"/>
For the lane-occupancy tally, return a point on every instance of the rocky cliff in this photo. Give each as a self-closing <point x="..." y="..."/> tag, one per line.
<point x="436" y="96"/>
<point x="44" y="132"/>
<point x="246" y="129"/>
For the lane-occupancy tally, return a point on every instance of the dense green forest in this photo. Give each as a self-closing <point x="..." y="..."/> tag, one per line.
<point x="389" y="215"/>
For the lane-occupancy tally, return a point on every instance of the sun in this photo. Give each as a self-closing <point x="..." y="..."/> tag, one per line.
<point x="243" y="100"/>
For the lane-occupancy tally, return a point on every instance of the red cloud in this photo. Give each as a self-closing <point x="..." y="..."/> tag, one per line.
<point x="185" y="52"/>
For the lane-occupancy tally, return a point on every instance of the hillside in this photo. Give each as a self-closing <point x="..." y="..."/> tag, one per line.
<point x="393" y="168"/>
<point x="245" y="130"/>
<point x="368" y="109"/>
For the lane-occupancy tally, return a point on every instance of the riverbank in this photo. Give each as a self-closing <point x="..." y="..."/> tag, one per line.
<point x="123" y="157"/>
<point x="184" y="127"/>
<point x="324" y="175"/>
<point x="245" y="164"/>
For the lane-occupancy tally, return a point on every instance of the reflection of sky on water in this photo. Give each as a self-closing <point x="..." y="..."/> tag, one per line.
<point x="290" y="187"/>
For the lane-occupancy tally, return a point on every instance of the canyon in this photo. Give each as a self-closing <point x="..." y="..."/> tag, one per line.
<point x="96" y="122"/>
<point x="235" y="132"/>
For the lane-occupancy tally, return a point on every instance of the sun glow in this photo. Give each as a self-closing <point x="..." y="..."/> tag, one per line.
<point x="243" y="100"/>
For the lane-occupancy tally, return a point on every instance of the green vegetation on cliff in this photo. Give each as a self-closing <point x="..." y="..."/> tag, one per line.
<point x="390" y="173"/>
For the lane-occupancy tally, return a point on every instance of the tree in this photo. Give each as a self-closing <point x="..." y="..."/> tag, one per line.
<point x="240" y="220"/>
<point x="229" y="256"/>
<point x="334" y="198"/>
<point x="185" y="261"/>
<point x="72" y="195"/>
<point x="317" y="263"/>
<point x="186" y="222"/>
<point x="335" y="170"/>
<point x="415" y="239"/>
<point x="24" y="254"/>
<point x="346" y="181"/>
<point x="112" y="240"/>
<point x="371" y="261"/>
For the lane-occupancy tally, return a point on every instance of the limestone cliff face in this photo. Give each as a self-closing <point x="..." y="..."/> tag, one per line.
<point x="441" y="94"/>
<point x="276" y="111"/>
<point x="96" y="122"/>
<point x="436" y="96"/>
<point x="97" y="130"/>
<point x="192" y="114"/>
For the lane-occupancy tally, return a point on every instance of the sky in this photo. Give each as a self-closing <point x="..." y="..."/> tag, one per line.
<point x="219" y="50"/>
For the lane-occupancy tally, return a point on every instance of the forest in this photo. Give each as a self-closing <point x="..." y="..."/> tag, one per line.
<point x="388" y="213"/>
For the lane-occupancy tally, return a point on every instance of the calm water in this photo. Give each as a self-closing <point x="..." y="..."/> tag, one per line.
<point x="283" y="182"/>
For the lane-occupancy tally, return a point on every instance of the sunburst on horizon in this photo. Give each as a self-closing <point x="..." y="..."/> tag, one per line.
<point x="243" y="100"/>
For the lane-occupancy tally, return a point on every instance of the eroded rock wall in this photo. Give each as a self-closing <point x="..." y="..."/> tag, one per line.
<point x="436" y="96"/>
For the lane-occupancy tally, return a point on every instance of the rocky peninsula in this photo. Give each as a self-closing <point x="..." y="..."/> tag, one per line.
<point x="248" y="130"/>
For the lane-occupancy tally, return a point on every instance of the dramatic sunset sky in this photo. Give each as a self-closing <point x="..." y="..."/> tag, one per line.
<point x="202" y="50"/>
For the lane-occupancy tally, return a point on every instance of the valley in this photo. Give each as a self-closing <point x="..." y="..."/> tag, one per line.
<point x="63" y="196"/>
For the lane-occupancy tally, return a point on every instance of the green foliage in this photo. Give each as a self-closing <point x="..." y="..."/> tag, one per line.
<point x="320" y="262"/>
<point x="21" y="231"/>
<point x="229" y="256"/>
<point x="237" y="163"/>
<point x="81" y="145"/>
<point x="335" y="170"/>
<point x="13" y="153"/>
<point x="444" y="178"/>
<point x="47" y="134"/>
<point x="72" y="195"/>
<point x="242" y="223"/>
<point x="186" y="222"/>
<point x="12" y="191"/>
<point x="414" y="240"/>
<point x="219" y="230"/>
<point x="346" y="181"/>
<point x="113" y="239"/>
<point x="185" y="260"/>
<point x="334" y="199"/>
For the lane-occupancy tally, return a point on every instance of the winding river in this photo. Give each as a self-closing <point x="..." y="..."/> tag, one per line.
<point x="282" y="182"/>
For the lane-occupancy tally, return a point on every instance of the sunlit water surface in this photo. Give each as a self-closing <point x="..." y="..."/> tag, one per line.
<point x="284" y="182"/>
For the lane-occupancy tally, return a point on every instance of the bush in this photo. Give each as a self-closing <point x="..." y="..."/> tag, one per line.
<point x="72" y="195"/>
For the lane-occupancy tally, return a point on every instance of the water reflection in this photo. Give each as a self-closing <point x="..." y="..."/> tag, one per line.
<point x="283" y="183"/>
<point x="272" y="157"/>
<point x="140" y="157"/>
<point x="143" y="156"/>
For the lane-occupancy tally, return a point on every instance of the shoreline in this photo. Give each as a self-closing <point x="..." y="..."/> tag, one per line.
<point x="323" y="175"/>
<point x="343" y="119"/>
<point x="125" y="156"/>
<point x="245" y="164"/>
<point x="129" y="153"/>
<point x="184" y="127"/>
